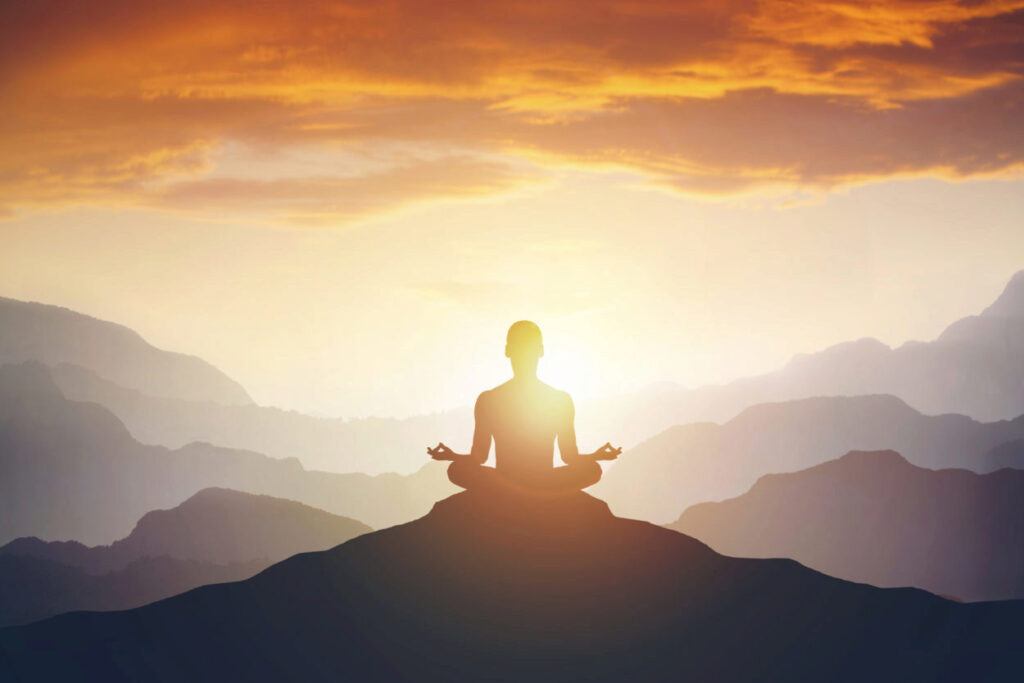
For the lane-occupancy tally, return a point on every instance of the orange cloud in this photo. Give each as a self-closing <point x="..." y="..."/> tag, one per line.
<point x="330" y="199"/>
<point x="121" y="101"/>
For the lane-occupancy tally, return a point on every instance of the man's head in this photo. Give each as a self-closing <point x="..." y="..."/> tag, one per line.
<point x="524" y="346"/>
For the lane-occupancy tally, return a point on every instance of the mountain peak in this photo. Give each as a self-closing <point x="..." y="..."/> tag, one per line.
<point x="226" y="525"/>
<point x="1011" y="302"/>
<point x="865" y="465"/>
<point x="824" y="406"/>
<point x="850" y="351"/>
<point x="881" y="458"/>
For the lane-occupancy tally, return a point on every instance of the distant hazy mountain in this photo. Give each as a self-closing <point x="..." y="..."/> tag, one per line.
<point x="216" y="535"/>
<point x="875" y="518"/>
<point x="215" y="525"/>
<point x="486" y="589"/>
<point x="49" y="334"/>
<point x="975" y="368"/>
<point x="371" y="445"/>
<point x="70" y="470"/>
<point x="694" y="463"/>
<point x="1009" y="454"/>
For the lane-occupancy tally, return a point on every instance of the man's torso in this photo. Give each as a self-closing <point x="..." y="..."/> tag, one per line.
<point x="524" y="418"/>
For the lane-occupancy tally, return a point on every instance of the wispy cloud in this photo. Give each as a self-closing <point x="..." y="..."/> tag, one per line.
<point x="332" y="199"/>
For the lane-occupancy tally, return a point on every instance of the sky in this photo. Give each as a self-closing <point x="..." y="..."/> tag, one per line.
<point x="344" y="205"/>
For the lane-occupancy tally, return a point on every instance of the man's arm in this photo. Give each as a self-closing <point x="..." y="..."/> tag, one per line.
<point x="567" y="432"/>
<point x="481" y="430"/>
<point x="481" y="438"/>
<point x="567" y="439"/>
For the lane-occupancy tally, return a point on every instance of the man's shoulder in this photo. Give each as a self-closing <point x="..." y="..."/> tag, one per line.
<point x="564" y="397"/>
<point x="486" y="397"/>
<point x="557" y="394"/>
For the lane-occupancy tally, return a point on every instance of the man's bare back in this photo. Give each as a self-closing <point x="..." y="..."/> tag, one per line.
<point x="524" y="417"/>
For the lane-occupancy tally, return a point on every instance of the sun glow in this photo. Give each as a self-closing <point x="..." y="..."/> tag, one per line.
<point x="570" y="364"/>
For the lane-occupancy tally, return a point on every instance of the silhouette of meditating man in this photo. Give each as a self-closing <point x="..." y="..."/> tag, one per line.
<point x="524" y="416"/>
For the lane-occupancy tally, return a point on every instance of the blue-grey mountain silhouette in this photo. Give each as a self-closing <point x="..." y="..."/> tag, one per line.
<point x="215" y="525"/>
<point x="875" y="518"/>
<point x="72" y="471"/>
<point x="369" y="445"/>
<point x="694" y="463"/>
<point x="974" y="368"/>
<point x="1007" y="454"/>
<point x="216" y="535"/>
<point x="50" y="334"/>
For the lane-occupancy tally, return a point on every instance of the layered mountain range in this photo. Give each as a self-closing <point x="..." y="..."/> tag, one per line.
<point x="693" y="463"/>
<point x="367" y="445"/>
<point x="974" y="368"/>
<point x="216" y="535"/>
<point x="51" y="335"/>
<point x="215" y="525"/>
<point x="70" y="470"/>
<point x="875" y="518"/>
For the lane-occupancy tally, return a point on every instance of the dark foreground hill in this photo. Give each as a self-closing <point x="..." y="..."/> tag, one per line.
<point x="876" y="518"/>
<point x="485" y="589"/>
<point x="216" y="535"/>
<point x="33" y="588"/>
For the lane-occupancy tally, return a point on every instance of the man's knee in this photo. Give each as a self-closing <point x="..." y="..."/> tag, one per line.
<point x="470" y="474"/>
<point x="579" y="475"/>
<point x="461" y="472"/>
<point x="589" y="473"/>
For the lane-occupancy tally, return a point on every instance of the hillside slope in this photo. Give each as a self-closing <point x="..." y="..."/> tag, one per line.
<point x="483" y="588"/>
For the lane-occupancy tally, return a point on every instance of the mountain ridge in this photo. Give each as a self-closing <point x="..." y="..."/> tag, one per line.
<point x="975" y="367"/>
<point x="874" y="517"/>
<point x="216" y="525"/>
<point x="216" y="535"/>
<point x="51" y="334"/>
<point x="74" y="472"/>
<point x="689" y="464"/>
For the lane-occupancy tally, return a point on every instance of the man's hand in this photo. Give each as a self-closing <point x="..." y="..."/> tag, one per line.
<point x="442" y="452"/>
<point x="606" y="452"/>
